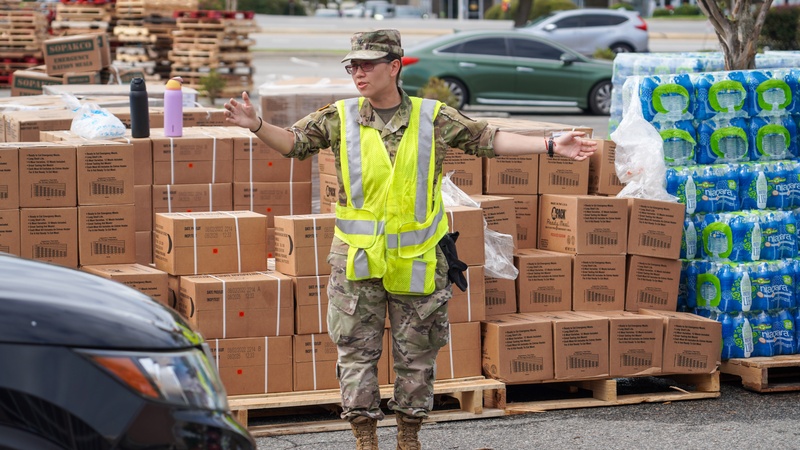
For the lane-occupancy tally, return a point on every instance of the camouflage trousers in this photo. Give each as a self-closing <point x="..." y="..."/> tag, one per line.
<point x="356" y="323"/>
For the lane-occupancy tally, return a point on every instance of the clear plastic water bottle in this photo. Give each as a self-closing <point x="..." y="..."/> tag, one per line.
<point x="783" y="329"/>
<point x="761" y="190"/>
<point x="764" y="337"/>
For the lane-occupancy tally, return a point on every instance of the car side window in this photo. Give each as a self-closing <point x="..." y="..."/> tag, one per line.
<point x="602" y="20"/>
<point x="568" y="22"/>
<point x="495" y="46"/>
<point x="529" y="48"/>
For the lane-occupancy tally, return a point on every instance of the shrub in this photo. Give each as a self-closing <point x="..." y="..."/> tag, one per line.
<point x="780" y="28"/>
<point x="604" y="53"/>
<point x="688" y="10"/>
<point x="622" y="5"/>
<point x="662" y="12"/>
<point x="274" y="7"/>
<point x="437" y="90"/>
<point x="540" y="8"/>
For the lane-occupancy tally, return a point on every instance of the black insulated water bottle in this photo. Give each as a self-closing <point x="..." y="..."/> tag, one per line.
<point x="140" y="111"/>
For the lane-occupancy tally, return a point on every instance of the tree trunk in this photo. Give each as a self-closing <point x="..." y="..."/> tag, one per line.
<point x="737" y="29"/>
<point x="523" y="11"/>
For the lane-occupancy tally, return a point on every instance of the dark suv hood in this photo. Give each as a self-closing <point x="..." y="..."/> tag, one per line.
<point x="47" y="304"/>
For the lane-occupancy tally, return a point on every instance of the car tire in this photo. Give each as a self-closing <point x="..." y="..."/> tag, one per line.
<point x="458" y="90"/>
<point x="621" y="47"/>
<point x="600" y="98"/>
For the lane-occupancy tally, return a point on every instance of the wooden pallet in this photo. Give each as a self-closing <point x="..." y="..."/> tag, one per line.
<point x="766" y="374"/>
<point x="606" y="392"/>
<point x="469" y="393"/>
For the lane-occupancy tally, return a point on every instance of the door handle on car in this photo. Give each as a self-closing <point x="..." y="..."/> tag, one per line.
<point x="466" y="64"/>
<point x="525" y="69"/>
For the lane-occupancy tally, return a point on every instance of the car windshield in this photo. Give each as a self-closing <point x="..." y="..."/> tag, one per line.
<point x="541" y="18"/>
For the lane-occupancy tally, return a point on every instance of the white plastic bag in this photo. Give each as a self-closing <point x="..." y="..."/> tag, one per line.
<point x="93" y="122"/>
<point x="639" y="158"/>
<point x="498" y="247"/>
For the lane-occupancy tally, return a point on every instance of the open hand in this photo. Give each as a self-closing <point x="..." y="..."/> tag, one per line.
<point x="242" y="113"/>
<point x="573" y="145"/>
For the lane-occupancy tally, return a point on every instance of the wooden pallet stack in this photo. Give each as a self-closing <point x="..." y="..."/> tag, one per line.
<point x="83" y="17"/>
<point x="207" y="41"/>
<point x="143" y="35"/>
<point x="21" y="35"/>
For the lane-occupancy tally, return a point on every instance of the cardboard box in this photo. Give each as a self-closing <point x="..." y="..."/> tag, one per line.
<point x="188" y="198"/>
<point x="81" y="78"/>
<point x="105" y="173"/>
<point x="652" y="283"/>
<point x="9" y="177"/>
<point x="147" y="280"/>
<point x="603" y="179"/>
<point x="583" y="224"/>
<point x="302" y="244"/>
<point x="107" y="234"/>
<point x="76" y="53"/>
<point x="25" y="126"/>
<point x="47" y="176"/>
<point x="461" y="357"/>
<point x="328" y="193"/>
<point x="544" y="282"/>
<point x="691" y="343"/>
<point x="144" y="248"/>
<point x="527" y="211"/>
<point x="30" y="82"/>
<point x="273" y="199"/>
<point x="261" y="365"/>
<point x="143" y="200"/>
<point x="50" y="235"/>
<point x="326" y="162"/>
<point x="255" y="161"/>
<point x="465" y="171"/>
<point x="561" y="175"/>
<point x="10" y="231"/>
<point x="503" y="175"/>
<point x="238" y="304"/>
<point x="580" y="345"/>
<point x="210" y="242"/>
<point x="195" y="157"/>
<point x="500" y="297"/>
<point x="284" y="102"/>
<point x="655" y="228"/>
<point x="468" y="221"/>
<point x="311" y="300"/>
<point x="469" y="306"/>
<point x="598" y="282"/>
<point x="517" y="348"/>
<point x="499" y="213"/>
<point x="635" y="343"/>
<point x="315" y="358"/>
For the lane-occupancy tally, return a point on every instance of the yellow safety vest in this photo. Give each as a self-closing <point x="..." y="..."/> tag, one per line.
<point x="394" y="217"/>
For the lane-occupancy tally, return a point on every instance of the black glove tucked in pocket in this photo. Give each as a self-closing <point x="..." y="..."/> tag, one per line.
<point x="455" y="266"/>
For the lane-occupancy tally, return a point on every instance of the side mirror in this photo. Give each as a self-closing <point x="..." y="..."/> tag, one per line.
<point x="549" y="27"/>
<point x="568" y="58"/>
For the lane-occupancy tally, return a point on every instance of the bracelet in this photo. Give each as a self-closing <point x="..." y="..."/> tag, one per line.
<point x="551" y="145"/>
<point x="260" y="123"/>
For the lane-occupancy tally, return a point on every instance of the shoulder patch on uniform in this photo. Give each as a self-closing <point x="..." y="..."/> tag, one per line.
<point x="324" y="107"/>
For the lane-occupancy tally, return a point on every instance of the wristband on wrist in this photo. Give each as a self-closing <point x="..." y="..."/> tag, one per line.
<point x="260" y="123"/>
<point x="551" y="145"/>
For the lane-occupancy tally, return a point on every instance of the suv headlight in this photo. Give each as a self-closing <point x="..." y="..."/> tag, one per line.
<point x="183" y="378"/>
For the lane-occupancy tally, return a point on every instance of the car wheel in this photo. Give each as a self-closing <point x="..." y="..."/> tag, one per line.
<point x="458" y="90"/>
<point x="600" y="98"/>
<point x="621" y="47"/>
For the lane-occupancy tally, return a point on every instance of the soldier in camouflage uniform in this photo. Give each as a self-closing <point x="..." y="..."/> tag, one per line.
<point x="357" y="310"/>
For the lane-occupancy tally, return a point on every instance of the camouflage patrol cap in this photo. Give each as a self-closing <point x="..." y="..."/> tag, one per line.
<point x="374" y="45"/>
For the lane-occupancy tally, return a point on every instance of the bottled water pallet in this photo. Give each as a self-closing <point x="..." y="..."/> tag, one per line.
<point x="554" y="395"/>
<point x="766" y="374"/>
<point x="468" y="392"/>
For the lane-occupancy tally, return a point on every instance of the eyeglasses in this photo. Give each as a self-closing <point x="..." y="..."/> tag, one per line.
<point x="366" y="66"/>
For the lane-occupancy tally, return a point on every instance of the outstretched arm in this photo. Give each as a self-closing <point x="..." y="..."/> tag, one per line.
<point x="243" y="114"/>
<point x="571" y="144"/>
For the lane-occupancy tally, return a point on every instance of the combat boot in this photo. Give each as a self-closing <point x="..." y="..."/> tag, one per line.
<point x="407" y="432"/>
<point x="365" y="430"/>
